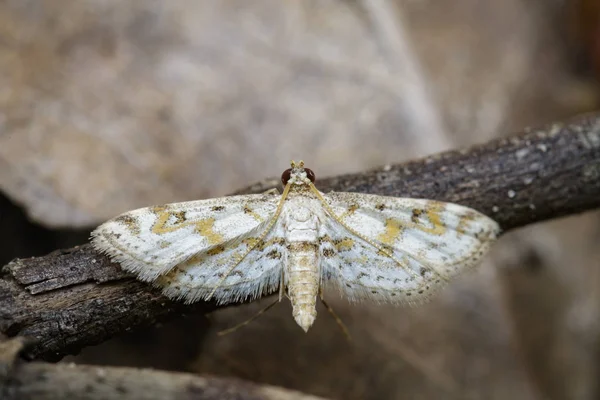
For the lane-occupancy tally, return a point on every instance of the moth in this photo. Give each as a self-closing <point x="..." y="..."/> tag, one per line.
<point x="300" y="242"/>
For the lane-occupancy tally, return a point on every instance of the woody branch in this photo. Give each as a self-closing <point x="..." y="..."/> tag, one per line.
<point x="75" y="297"/>
<point x="36" y="380"/>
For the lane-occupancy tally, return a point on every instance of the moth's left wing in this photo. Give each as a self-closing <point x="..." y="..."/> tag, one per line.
<point x="226" y="275"/>
<point x="151" y="241"/>
<point x="410" y="246"/>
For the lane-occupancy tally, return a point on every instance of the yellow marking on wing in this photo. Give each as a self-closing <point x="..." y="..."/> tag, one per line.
<point x="351" y="210"/>
<point x="216" y="250"/>
<point x="393" y="228"/>
<point x="159" y="209"/>
<point x="344" y="244"/>
<point x="261" y="245"/>
<point x="161" y="220"/>
<point x="433" y="211"/>
<point x="391" y="233"/>
<point x="204" y="227"/>
<point x="464" y="222"/>
<point x="253" y="214"/>
<point x="363" y="259"/>
<point x="462" y="225"/>
<point x="130" y="223"/>
<point x="251" y="241"/>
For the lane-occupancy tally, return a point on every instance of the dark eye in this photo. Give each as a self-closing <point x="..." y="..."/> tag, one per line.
<point x="310" y="174"/>
<point x="285" y="177"/>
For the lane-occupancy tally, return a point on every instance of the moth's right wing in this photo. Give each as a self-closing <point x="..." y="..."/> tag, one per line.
<point x="399" y="249"/>
<point x="150" y="242"/>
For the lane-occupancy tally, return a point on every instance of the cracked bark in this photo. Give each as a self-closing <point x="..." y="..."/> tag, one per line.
<point x="74" y="298"/>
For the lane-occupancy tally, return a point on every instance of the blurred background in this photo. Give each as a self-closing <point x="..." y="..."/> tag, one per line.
<point x="109" y="105"/>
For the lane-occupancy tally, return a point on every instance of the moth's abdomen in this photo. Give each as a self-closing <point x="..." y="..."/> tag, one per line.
<point x="303" y="281"/>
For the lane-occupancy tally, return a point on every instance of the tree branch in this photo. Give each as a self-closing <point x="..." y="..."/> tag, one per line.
<point x="533" y="176"/>
<point x="19" y="380"/>
<point x="74" y="298"/>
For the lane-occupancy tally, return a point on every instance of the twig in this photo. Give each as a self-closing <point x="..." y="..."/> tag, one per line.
<point x="533" y="176"/>
<point x="68" y="381"/>
<point x="74" y="298"/>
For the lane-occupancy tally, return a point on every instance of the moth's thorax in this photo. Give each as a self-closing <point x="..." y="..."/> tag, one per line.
<point x="300" y="189"/>
<point x="300" y="221"/>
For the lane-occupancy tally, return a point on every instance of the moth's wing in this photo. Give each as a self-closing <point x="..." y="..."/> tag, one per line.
<point x="151" y="241"/>
<point x="409" y="247"/>
<point x="257" y="274"/>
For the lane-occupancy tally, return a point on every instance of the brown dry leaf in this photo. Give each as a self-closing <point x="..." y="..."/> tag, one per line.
<point x="112" y="105"/>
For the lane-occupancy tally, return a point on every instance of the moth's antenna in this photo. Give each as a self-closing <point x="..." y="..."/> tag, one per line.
<point x="281" y="285"/>
<point x="246" y="322"/>
<point x="337" y="319"/>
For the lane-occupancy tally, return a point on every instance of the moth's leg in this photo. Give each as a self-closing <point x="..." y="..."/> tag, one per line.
<point x="281" y="284"/>
<point x="246" y="322"/>
<point x="337" y="319"/>
<point x="271" y="191"/>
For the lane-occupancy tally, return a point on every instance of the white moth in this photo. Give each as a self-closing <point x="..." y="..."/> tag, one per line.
<point x="238" y="248"/>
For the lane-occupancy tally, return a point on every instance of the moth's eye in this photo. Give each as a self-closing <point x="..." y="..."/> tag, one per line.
<point x="285" y="177"/>
<point x="310" y="174"/>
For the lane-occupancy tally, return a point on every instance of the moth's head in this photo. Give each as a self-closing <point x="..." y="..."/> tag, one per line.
<point x="298" y="175"/>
